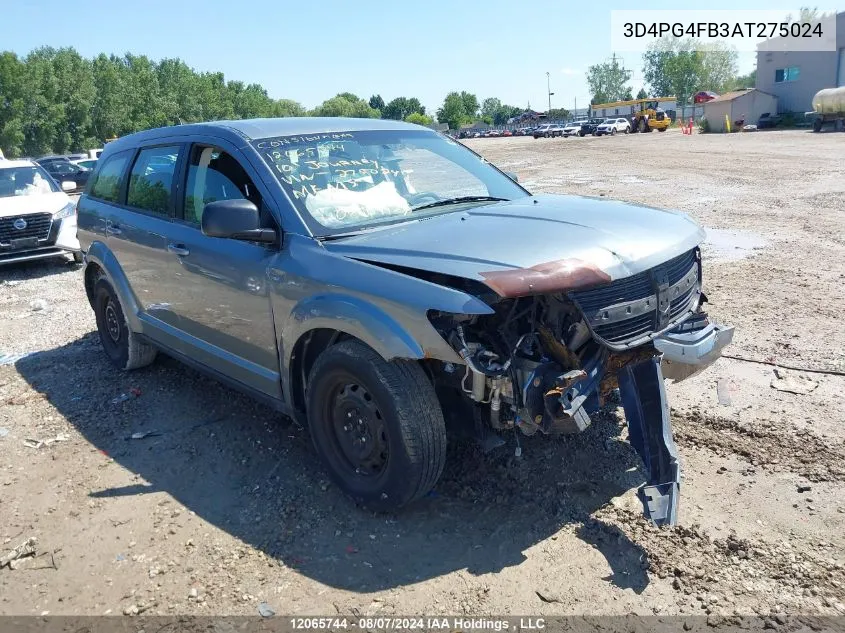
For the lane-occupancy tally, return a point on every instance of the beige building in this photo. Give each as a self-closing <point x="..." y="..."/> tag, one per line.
<point x="740" y="105"/>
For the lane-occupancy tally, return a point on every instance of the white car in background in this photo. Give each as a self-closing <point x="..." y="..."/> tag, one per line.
<point x="571" y="129"/>
<point x="37" y="218"/>
<point x="612" y="126"/>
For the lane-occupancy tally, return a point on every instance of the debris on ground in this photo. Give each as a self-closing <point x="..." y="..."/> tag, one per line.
<point x="723" y="392"/>
<point x="134" y="392"/>
<point x="3" y="431"/>
<point x="140" y="435"/>
<point x="31" y="443"/>
<point x="792" y="383"/>
<point x="25" y="549"/>
<point x="265" y="610"/>
<point x="39" y="305"/>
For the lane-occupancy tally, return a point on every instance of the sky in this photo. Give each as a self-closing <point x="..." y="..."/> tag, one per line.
<point x="310" y="51"/>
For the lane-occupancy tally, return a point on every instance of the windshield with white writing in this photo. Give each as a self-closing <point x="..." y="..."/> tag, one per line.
<point x="347" y="181"/>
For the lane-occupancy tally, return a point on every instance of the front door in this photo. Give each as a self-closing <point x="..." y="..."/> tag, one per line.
<point x="223" y="305"/>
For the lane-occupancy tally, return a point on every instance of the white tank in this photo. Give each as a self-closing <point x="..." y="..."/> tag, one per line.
<point x="829" y="101"/>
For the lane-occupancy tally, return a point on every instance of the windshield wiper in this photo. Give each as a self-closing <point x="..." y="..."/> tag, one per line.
<point x="459" y="200"/>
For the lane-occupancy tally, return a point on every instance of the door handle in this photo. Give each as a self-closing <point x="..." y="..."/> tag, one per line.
<point x="178" y="249"/>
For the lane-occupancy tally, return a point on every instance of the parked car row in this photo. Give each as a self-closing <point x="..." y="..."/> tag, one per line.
<point x="67" y="169"/>
<point x="492" y="133"/>
<point x="596" y="127"/>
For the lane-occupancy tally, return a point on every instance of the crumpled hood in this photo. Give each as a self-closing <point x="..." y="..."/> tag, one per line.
<point x="13" y="206"/>
<point x="613" y="239"/>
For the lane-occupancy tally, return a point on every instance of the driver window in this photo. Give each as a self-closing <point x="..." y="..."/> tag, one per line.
<point x="215" y="175"/>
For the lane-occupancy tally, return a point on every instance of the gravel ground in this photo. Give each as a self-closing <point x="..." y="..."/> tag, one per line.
<point x="226" y="507"/>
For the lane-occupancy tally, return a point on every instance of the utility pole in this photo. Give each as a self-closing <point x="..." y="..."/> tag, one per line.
<point x="549" y="89"/>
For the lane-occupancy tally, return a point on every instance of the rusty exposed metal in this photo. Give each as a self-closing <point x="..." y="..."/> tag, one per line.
<point x="557" y="276"/>
<point x="617" y="361"/>
<point x="565" y="382"/>
<point x="557" y="350"/>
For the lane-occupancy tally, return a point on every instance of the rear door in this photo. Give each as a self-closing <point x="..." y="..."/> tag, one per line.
<point x="223" y="304"/>
<point x="137" y="229"/>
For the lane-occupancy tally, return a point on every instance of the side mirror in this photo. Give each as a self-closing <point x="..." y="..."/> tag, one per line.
<point x="68" y="185"/>
<point x="235" y="219"/>
<point x="512" y="176"/>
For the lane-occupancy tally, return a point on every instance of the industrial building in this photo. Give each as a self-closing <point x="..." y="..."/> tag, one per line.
<point x="794" y="77"/>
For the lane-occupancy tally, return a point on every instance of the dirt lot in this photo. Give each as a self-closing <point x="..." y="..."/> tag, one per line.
<point x="227" y="508"/>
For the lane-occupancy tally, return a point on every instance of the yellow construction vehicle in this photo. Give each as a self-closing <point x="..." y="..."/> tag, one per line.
<point x="645" y="115"/>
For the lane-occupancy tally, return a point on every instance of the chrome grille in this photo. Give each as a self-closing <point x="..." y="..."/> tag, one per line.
<point x="631" y="311"/>
<point x="37" y="226"/>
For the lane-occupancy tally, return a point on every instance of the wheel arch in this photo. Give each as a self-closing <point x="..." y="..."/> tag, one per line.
<point x="102" y="262"/>
<point x="319" y="322"/>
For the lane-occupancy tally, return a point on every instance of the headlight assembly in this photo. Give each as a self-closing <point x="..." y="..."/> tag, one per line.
<point x="66" y="211"/>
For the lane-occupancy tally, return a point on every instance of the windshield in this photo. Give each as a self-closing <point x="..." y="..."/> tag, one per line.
<point x="28" y="180"/>
<point x="347" y="181"/>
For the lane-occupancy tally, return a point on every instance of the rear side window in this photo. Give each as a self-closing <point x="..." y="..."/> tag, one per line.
<point x="151" y="179"/>
<point x="107" y="181"/>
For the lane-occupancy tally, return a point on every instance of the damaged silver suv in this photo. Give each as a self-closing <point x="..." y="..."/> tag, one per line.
<point x="385" y="285"/>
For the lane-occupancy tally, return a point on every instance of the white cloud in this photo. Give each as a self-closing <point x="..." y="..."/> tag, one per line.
<point x="570" y="71"/>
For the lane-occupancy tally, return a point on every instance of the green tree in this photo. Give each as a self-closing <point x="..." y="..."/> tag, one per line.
<point x="490" y="107"/>
<point x="470" y="103"/>
<point x="287" y="107"/>
<point x="628" y="94"/>
<point x="642" y="94"/>
<point x="419" y="119"/>
<point x="346" y="104"/>
<point x="377" y="103"/>
<point x="744" y="81"/>
<point x="400" y="107"/>
<point x="453" y="111"/>
<point x="608" y="80"/>
<point x="680" y="68"/>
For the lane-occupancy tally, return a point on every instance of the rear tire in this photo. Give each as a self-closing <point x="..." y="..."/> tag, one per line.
<point x="643" y="127"/>
<point x="661" y="129"/>
<point x="119" y="342"/>
<point x="377" y="425"/>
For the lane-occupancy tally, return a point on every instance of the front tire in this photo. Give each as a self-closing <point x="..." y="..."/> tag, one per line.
<point x="119" y="342"/>
<point x="613" y="132"/>
<point x="377" y="425"/>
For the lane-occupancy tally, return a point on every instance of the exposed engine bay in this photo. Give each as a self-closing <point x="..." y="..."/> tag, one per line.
<point x="534" y="365"/>
<point x="544" y="363"/>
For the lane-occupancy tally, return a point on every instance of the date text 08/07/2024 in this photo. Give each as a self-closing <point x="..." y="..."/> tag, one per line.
<point x="417" y="623"/>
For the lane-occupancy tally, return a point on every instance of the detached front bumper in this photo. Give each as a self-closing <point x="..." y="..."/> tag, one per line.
<point x="692" y="346"/>
<point x="684" y="351"/>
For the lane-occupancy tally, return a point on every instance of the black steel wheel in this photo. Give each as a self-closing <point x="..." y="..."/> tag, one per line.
<point x="377" y="425"/>
<point x="119" y="342"/>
